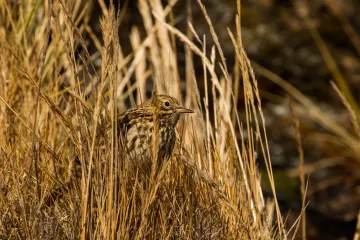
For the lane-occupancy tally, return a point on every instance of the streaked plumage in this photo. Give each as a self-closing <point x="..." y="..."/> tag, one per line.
<point x="137" y="126"/>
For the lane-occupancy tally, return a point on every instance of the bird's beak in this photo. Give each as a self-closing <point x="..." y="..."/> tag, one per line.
<point x="184" y="110"/>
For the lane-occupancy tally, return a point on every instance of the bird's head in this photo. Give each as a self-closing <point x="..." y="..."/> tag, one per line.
<point x="169" y="109"/>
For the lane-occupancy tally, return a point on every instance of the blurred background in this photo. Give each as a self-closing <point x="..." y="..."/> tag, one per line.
<point x="309" y="44"/>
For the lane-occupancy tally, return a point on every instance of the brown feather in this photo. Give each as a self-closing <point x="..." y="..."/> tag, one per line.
<point x="136" y="126"/>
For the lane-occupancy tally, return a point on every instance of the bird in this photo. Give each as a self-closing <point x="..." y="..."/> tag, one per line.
<point x="160" y="115"/>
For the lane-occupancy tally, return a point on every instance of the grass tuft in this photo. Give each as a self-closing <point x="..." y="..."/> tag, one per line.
<point x="62" y="173"/>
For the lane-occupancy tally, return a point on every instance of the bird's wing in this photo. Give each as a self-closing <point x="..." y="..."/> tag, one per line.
<point x="128" y="118"/>
<point x="123" y="121"/>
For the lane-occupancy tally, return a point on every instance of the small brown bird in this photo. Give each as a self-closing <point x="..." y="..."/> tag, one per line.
<point x="137" y="127"/>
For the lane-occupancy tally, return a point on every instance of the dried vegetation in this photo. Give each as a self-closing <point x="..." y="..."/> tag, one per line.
<point x="57" y="99"/>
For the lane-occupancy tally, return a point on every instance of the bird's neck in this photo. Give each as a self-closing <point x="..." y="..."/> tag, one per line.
<point x="169" y="120"/>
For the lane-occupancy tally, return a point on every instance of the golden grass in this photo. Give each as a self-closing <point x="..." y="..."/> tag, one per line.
<point x="57" y="100"/>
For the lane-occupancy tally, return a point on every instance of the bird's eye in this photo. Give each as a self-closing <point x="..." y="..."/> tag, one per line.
<point x="167" y="103"/>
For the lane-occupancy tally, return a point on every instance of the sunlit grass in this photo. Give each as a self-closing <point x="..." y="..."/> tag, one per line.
<point x="56" y="104"/>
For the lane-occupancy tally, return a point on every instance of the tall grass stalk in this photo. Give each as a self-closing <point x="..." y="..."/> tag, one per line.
<point x="70" y="96"/>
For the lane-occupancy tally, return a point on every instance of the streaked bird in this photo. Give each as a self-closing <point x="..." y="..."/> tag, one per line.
<point x="136" y="127"/>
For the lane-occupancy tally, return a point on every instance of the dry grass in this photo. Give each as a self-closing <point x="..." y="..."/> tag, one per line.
<point x="57" y="101"/>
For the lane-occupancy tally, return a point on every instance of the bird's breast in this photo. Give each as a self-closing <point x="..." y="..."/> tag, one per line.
<point x="139" y="139"/>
